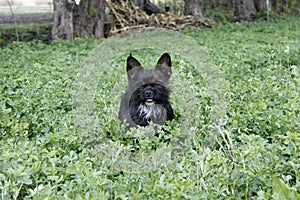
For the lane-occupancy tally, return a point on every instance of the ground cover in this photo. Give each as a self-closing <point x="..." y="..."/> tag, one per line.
<point x="254" y="155"/>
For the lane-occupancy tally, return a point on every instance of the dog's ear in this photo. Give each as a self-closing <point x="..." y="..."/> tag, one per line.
<point x="133" y="66"/>
<point x="164" y="65"/>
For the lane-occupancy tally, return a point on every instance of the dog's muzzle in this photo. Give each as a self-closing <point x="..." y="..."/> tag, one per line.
<point x="149" y="97"/>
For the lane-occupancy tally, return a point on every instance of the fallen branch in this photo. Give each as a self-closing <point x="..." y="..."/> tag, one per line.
<point x="126" y="16"/>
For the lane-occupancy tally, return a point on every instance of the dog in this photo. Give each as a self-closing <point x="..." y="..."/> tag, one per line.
<point x="147" y="96"/>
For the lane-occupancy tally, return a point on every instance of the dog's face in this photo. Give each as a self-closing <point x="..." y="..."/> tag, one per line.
<point x="137" y="75"/>
<point x="150" y="94"/>
<point x="147" y="95"/>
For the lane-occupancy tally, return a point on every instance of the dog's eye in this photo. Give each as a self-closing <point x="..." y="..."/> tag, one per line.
<point x="155" y="84"/>
<point x="148" y="85"/>
<point x="151" y="85"/>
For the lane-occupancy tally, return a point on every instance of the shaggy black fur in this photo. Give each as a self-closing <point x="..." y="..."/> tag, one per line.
<point x="147" y="96"/>
<point x="141" y="113"/>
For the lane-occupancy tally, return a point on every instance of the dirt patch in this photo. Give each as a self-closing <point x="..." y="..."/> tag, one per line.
<point x="27" y="18"/>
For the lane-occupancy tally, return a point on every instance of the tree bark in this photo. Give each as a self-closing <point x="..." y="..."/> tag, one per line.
<point x="192" y="7"/>
<point x="150" y="8"/>
<point x="63" y="20"/>
<point x="260" y="4"/>
<point x="244" y="10"/>
<point x="147" y="6"/>
<point x="89" y="18"/>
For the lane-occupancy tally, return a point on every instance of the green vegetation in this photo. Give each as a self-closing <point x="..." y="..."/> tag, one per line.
<point x="223" y="10"/>
<point x="256" y="154"/>
<point x="26" y="33"/>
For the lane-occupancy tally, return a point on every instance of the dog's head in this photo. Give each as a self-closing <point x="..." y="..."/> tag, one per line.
<point x="138" y="76"/>
<point x="147" y="90"/>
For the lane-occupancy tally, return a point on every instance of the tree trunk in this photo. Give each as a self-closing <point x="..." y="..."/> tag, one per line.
<point x="63" y="20"/>
<point x="260" y="4"/>
<point x="192" y="7"/>
<point x="89" y="18"/>
<point x="147" y="6"/>
<point x="13" y="16"/>
<point x="85" y="19"/>
<point x="150" y="8"/>
<point x="274" y="5"/>
<point x="244" y="9"/>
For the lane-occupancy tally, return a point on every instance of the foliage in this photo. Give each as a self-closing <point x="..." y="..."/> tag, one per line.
<point x="257" y="154"/>
<point x="282" y="191"/>
<point x="223" y="10"/>
<point x="41" y="32"/>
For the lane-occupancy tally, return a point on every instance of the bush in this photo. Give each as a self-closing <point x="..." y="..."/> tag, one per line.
<point x="41" y="32"/>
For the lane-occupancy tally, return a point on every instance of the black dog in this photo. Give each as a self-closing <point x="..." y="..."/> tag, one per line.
<point x="147" y="96"/>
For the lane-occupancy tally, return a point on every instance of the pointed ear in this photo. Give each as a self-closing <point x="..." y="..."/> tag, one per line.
<point x="164" y="65"/>
<point x="133" y="66"/>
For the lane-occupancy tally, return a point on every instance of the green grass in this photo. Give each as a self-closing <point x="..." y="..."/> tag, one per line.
<point x="256" y="154"/>
<point x="27" y="32"/>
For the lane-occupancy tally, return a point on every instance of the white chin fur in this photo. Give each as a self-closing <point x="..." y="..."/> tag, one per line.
<point x="150" y="110"/>
<point x="149" y="103"/>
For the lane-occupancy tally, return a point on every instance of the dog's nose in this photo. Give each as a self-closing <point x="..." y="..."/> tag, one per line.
<point x="149" y="93"/>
